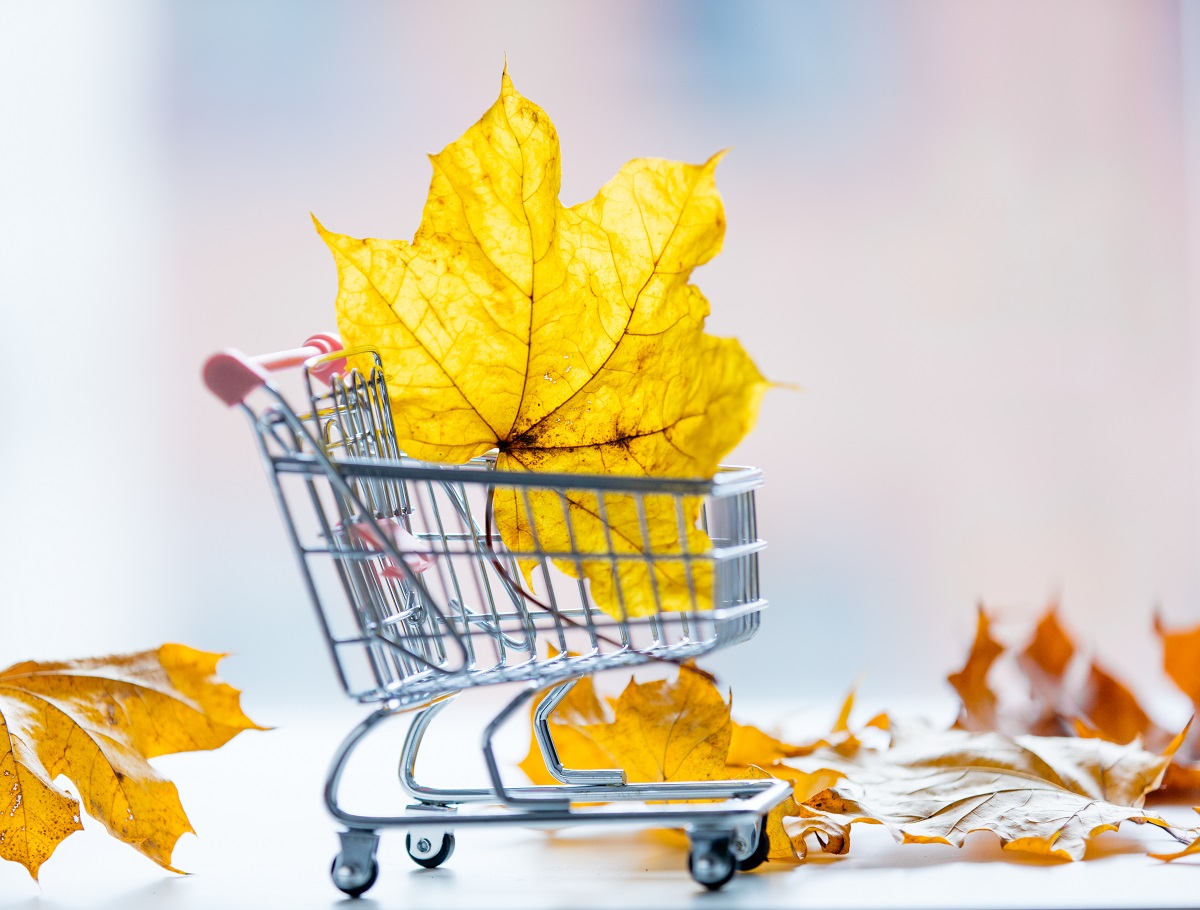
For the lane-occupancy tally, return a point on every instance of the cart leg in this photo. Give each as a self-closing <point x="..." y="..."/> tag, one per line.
<point x="355" y="868"/>
<point x="408" y="758"/>
<point x="541" y="731"/>
<point x="333" y="779"/>
<point x="549" y="802"/>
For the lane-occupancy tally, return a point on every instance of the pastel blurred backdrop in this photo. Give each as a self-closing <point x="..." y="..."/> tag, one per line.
<point x="969" y="231"/>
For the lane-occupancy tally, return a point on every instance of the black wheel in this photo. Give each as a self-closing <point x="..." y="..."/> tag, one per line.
<point x="427" y="852"/>
<point x="711" y="863"/>
<point x="352" y="879"/>
<point x="761" y="849"/>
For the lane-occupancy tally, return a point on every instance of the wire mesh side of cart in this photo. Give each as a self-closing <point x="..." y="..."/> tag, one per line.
<point x="419" y="596"/>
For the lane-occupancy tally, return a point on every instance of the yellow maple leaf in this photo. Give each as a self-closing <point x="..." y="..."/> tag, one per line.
<point x="752" y="746"/>
<point x="580" y="709"/>
<point x="567" y="338"/>
<point x="97" y="721"/>
<point x="680" y="730"/>
<point x="665" y="730"/>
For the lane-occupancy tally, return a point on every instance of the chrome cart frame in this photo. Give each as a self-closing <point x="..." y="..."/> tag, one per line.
<point x="418" y="600"/>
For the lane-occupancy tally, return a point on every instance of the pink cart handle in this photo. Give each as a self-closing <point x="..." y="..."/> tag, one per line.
<point x="232" y="375"/>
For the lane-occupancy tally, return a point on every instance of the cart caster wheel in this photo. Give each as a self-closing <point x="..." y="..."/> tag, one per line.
<point x="711" y="862"/>
<point x="353" y="879"/>
<point x="428" y="850"/>
<point x="761" y="850"/>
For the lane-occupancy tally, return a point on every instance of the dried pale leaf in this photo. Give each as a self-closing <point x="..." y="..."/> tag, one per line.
<point x="1190" y="850"/>
<point x="789" y="828"/>
<point x="1045" y="795"/>
<point x="96" y="722"/>
<point x="832" y="835"/>
<point x="567" y="338"/>
<point x="971" y="682"/>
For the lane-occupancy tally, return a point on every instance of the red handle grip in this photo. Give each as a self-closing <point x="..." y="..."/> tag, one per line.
<point x="232" y="375"/>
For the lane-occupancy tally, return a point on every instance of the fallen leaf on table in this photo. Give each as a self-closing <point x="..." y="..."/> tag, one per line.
<point x="1097" y="701"/>
<point x="1181" y="657"/>
<point x="1067" y="691"/>
<point x="1113" y="711"/>
<point x="978" y="710"/>
<point x="1044" y="795"/>
<point x="789" y="825"/>
<point x="1183" y="775"/>
<point x="567" y="338"/>
<point x="1050" y="650"/>
<point x="1045" y="663"/>
<point x="751" y="746"/>
<point x="1181" y="662"/>
<point x="97" y="721"/>
<point x="1190" y="850"/>
<point x="662" y="730"/>
<point x="1064" y="689"/>
<point x="680" y="730"/>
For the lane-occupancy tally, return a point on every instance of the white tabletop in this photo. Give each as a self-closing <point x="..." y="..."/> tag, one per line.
<point x="264" y="840"/>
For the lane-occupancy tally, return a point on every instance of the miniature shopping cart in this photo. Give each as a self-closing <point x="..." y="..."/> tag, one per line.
<point x="419" y="600"/>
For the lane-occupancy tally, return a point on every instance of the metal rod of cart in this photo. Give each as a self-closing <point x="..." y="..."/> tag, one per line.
<point x="419" y="600"/>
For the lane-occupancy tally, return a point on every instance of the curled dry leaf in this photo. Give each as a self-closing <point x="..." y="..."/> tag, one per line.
<point x="1044" y="795"/>
<point x="1069" y="692"/>
<point x="1112" y="709"/>
<point x="567" y="338"/>
<point x="97" y="721"/>
<point x="1181" y="657"/>
<point x="1046" y="662"/>
<point x="978" y="711"/>
<point x="1181" y="662"/>
<point x="791" y="827"/>
<point x="1192" y="848"/>
<point x="1099" y="702"/>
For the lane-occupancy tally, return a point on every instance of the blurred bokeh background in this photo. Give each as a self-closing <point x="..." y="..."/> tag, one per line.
<point x="969" y="231"/>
